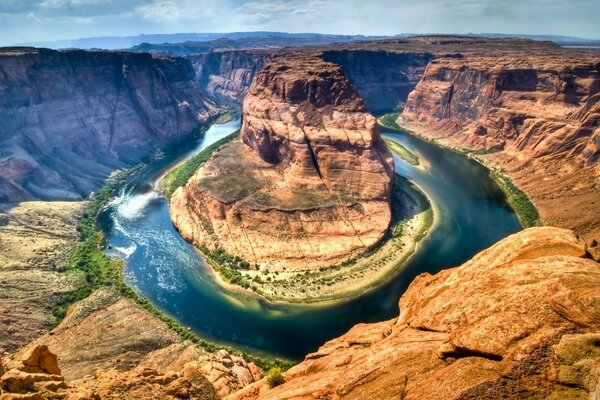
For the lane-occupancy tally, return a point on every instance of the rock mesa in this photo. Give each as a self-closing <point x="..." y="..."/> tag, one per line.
<point x="307" y="184"/>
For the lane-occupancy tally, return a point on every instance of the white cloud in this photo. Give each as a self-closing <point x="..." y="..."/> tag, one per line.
<point x="173" y="11"/>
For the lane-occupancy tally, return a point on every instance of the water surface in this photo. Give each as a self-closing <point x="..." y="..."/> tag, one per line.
<point x="471" y="214"/>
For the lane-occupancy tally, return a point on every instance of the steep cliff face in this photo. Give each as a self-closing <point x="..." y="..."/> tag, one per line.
<point x="529" y="106"/>
<point x="538" y="110"/>
<point x="519" y="320"/>
<point x="228" y="73"/>
<point x="69" y="118"/>
<point x="383" y="78"/>
<point x="308" y="183"/>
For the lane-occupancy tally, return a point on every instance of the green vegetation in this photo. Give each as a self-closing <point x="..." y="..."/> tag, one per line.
<point x="87" y="261"/>
<point x="389" y="121"/>
<point x="86" y="257"/>
<point x="227" y="266"/>
<point x="517" y="199"/>
<point x="402" y="152"/>
<point x="274" y="377"/>
<point x="180" y="175"/>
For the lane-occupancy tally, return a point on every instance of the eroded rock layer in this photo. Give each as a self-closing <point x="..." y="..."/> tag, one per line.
<point x="531" y="106"/>
<point x="308" y="183"/>
<point x="537" y="112"/>
<point x="519" y="320"/>
<point x="69" y="118"/>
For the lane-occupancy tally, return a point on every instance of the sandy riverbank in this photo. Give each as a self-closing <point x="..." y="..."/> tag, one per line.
<point x="413" y="219"/>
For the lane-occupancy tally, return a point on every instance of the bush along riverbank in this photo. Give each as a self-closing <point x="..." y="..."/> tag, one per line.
<point x="93" y="269"/>
<point x="516" y="198"/>
<point x="412" y="217"/>
<point x="181" y="174"/>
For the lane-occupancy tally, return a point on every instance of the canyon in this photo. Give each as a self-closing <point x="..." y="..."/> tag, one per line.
<point x="70" y="118"/>
<point x="519" y="319"/>
<point x="309" y="161"/>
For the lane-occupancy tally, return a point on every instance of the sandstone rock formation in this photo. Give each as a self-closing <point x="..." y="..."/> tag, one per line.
<point x="110" y="347"/>
<point x="530" y="106"/>
<point x="519" y="320"/>
<point x="229" y="73"/>
<point x="308" y="183"/>
<point x="69" y="118"/>
<point x="538" y="110"/>
<point x="34" y="376"/>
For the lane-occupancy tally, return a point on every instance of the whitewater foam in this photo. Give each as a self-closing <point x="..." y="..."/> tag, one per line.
<point x="133" y="206"/>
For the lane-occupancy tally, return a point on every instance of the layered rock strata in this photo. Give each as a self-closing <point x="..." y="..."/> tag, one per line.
<point x="308" y="183"/>
<point x="69" y="118"/>
<point x="519" y="320"/>
<point x="532" y="106"/>
<point x="537" y="112"/>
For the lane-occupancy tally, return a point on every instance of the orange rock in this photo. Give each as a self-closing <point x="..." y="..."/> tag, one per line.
<point x="308" y="184"/>
<point x="519" y="320"/>
<point x="41" y="358"/>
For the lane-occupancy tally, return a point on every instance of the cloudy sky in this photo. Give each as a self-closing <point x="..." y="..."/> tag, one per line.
<point x="37" y="20"/>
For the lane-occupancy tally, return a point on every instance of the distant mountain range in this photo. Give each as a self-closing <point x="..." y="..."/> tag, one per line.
<point x="264" y="39"/>
<point x="126" y="42"/>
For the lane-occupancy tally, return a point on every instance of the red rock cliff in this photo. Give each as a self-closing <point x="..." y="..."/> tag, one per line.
<point x="308" y="183"/>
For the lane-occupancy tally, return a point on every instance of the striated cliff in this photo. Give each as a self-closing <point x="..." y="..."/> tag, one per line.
<point x="308" y="183"/>
<point x="537" y="111"/>
<point x="532" y="106"/>
<point x="228" y="74"/>
<point x="67" y="119"/>
<point x="383" y="78"/>
<point x="519" y="320"/>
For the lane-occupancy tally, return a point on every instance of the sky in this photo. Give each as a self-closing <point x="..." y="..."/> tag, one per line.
<point x="42" y="20"/>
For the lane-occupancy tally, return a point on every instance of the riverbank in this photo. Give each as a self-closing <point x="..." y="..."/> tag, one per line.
<point x="518" y="200"/>
<point x="97" y="271"/>
<point x="412" y="218"/>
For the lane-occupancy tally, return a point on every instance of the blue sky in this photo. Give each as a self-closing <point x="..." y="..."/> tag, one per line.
<point x="37" y="20"/>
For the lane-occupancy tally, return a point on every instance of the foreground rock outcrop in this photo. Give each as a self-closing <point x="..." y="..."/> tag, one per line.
<point x="307" y="185"/>
<point x="519" y="320"/>
<point x="111" y="348"/>
<point x="69" y="118"/>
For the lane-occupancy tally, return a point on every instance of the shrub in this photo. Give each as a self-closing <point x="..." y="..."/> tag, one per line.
<point x="274" y="377"/>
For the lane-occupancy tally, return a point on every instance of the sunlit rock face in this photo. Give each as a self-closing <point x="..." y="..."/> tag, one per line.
<point x="307" y="184"/>
<point x="519" y="320"/>
<point x="531" y="105"/>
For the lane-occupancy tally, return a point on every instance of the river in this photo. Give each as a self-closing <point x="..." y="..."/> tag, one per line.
<point x="471" y="214"/>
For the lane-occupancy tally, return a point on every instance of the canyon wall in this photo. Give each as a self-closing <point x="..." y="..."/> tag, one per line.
<point x="519" y="320"/>
<point x="308" y="183"/>
<point x="535" y="111"/>
<point x="529" y="106"/>
<point x="69" y="118"/>
<point x="228" y="74"/>
<point x="383" y="78"/>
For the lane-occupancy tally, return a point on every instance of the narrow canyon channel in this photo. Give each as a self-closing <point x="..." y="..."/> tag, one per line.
<point x="470" y="211"/>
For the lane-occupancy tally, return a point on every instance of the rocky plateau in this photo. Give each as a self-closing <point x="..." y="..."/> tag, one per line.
<point x="308" y="182"/>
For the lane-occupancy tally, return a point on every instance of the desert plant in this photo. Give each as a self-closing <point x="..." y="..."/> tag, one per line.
<point x="274" y="377"/>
